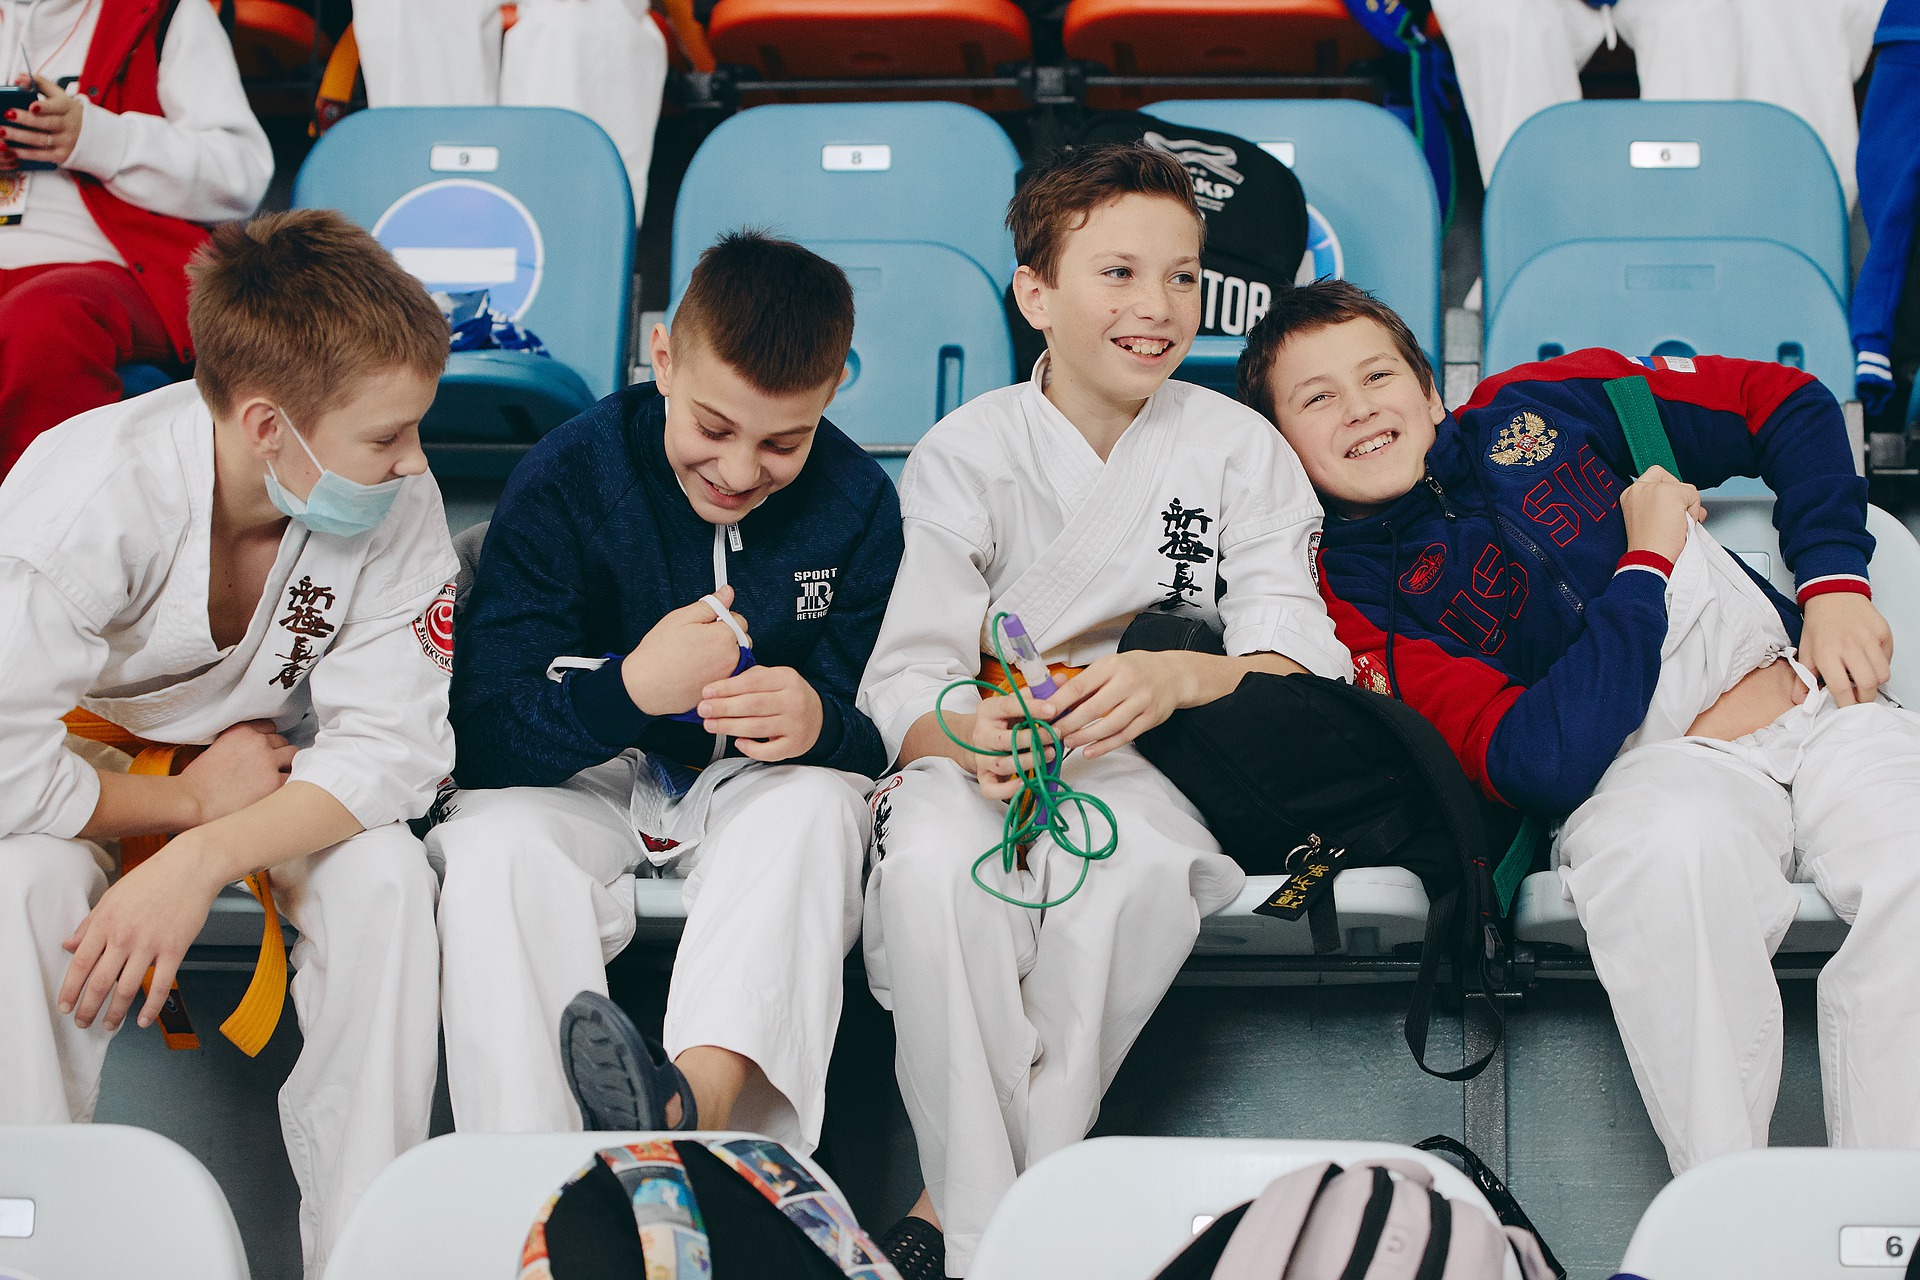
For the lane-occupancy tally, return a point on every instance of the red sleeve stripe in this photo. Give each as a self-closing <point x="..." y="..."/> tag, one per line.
<point x="1833" y="582"/>
<point x="1751" y="388"/>
<point x="1652" y="561"/>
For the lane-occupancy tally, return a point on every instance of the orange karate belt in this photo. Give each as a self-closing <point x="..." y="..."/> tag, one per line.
<point x="252" y="1023"/>
<point x="994" y="674"/>
<point x="997" y="675"/>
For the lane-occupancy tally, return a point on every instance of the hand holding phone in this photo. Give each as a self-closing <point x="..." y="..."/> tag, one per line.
<point x="41" y="123"/>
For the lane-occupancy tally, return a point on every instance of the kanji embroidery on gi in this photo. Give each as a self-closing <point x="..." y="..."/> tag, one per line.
<point x="1183" y="527"/>
<point x="305" y="614"/>
<point x="306" y="621"/>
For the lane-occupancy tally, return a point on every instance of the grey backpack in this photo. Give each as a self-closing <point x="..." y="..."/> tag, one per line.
<point x="1382" y="1220"/>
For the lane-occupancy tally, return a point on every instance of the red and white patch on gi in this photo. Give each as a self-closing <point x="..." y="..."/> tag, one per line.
<point x="434" y="629"/>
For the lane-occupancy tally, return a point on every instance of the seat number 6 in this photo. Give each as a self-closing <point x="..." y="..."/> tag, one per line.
<point x="1877" y="1246"/>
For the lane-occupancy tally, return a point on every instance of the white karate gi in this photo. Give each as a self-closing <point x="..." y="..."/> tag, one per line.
<point x="1681" y="863"/>
<point x="1010" y="1022"/>
<point x="605" y="59"/>
<point x="104" y="546"/>
<point x="429" y="53"/>
<point x="537" y="896"/>
<point x="1516" y="57"/>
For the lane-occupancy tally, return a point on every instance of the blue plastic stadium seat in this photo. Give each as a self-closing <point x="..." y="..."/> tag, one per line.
<point x="1376" y="224"/>
<point x="1653" y="170"/>
<point x="1748" y="298"/>
<point x="530" y="203"/>
<point x="908" y="198"/>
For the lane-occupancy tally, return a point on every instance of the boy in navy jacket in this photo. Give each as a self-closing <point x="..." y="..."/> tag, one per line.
<point x="608" y="725"/>
<point x="1589" y="650"/>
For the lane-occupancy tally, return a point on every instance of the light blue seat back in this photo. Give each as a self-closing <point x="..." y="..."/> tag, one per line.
<point x="1748" y="298"/>
<point x="529" y="202"/>
<point x="909" y="199"/>
<point x="929" y="335"/>
<point x="1598" y="170"/>
<point x="930" y="172"/>
<point x="1374" y="217"/>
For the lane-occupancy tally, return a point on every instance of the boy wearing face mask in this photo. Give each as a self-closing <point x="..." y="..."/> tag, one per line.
<point x="609" y="728"/>
<point x="257" y="560"/>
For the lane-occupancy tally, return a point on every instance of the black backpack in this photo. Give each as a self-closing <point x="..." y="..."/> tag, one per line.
<point x="1305" y="777"/>
<point x="1256" y="221"/>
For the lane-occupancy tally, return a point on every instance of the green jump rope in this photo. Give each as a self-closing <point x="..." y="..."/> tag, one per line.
<point x="1045" y="805"/>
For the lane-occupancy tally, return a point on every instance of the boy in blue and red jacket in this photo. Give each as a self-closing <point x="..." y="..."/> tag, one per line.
<point x="1588" y="650"/>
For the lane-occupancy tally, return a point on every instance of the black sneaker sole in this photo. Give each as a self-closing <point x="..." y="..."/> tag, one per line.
<point x="608" y="1067"/>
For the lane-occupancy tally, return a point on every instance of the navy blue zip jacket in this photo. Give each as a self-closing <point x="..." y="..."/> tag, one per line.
<point x="1491" y="597"/>
<point x="594" y="542"/>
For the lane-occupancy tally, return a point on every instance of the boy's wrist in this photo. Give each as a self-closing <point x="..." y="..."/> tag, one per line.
<point x="201" y="862"/>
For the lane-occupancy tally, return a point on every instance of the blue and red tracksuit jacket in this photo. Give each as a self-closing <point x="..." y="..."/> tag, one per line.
<point x="1492" y="598"/>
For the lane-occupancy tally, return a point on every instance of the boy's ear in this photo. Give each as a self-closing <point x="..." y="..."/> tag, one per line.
<point x="1436" y="407"/>
<point x="259" y="423"/>
<point x="660" y="352"/>
<point x="1029" y="294"/>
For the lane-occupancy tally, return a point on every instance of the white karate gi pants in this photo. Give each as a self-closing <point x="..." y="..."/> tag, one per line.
<point x="538" y="896"/>
<point x="1679" y="866"/>
<point x="429" y="53"/>
<point x="1011" y="1023"/>
<point x="1516" y="57"/>
<point x="365" y="984"/>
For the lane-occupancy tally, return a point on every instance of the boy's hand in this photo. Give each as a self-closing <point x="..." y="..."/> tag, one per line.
<point x="1120" y="697"/>
<point x="993" y="731"/>
<point x="247" y="762"/>
<point x="685" y="652"/>
<point x="1656" y="507"/>
<point x="1848" y="645"/>
<point x="148" y="919"/>
<point x="49" y="129"/>
<point x="772" y="712"/>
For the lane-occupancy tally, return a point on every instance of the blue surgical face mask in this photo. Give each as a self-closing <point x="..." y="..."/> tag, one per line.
<point x="336" y="505"/>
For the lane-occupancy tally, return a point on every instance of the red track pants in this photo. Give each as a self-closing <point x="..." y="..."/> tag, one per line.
<point x="64" y="328"/>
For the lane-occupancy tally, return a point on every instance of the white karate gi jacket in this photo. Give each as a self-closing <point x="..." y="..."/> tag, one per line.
<point x="1007" y="507"/>
<point x="104" y="561"/>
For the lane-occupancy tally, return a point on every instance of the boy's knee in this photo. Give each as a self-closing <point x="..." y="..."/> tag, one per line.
<point x="389" y="868"/>
<point x="923" y="877"/>
<point x="812" y="799"/>
<point x="489" y="855"/>
<point x="47" y="873"/>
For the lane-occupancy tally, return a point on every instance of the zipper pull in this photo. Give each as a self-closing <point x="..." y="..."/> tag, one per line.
<point x="733" y="537"/>
<point x="1440" y="494"/>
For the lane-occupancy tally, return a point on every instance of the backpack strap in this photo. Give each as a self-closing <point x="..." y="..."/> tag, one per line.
<point x="1647" y="440"/>
<point x="1270" y="1231"/>
<point x="1465" y="922"/>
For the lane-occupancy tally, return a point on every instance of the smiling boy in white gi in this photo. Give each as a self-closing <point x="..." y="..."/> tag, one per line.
<point x="1077" y="500"/>
<point x="256" y="560"/>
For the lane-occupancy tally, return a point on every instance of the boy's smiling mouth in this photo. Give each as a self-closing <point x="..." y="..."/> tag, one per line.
<point x="1145" y="348"/>
<point x="1372" y="444"/>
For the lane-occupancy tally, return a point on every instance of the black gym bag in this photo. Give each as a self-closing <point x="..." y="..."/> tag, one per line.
<point x="1305" y="777"/>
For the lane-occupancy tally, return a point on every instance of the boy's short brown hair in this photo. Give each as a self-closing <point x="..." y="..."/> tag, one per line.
<point x="299" y="306"/>
<point x="1059" y="194"/>
<point x="780" y="315"/>
<point x="1304" y="309"/>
